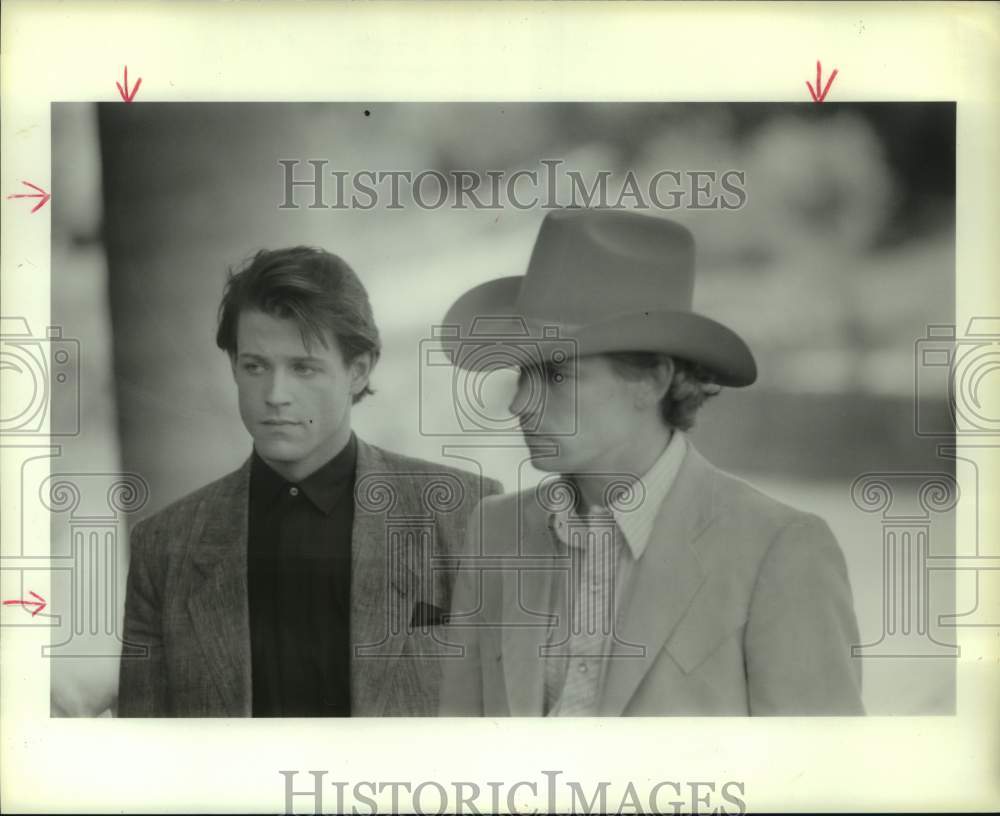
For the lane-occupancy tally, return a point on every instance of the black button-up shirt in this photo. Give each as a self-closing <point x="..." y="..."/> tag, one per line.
<point x="299" y="582"/>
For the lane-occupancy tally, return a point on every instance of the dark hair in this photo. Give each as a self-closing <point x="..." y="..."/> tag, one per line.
<point x="315" y="288"/>
<point x="691" y="385"/>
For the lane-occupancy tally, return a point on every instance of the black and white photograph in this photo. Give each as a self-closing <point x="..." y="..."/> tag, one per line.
<point x="514" y="410"/>
<point x="579" y="407"/>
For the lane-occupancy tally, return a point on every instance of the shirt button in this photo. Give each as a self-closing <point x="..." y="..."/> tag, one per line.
<point x="582" y="668"/>
<point x="294" y="491"/>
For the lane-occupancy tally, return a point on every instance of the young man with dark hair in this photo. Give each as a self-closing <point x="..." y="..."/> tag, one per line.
<point x="290" y="587"/>
<point x="637" y="578"/>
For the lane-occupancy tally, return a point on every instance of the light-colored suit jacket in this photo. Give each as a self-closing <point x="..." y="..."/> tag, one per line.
<point x="740" y="605"/>
<point x="187" y="597"/>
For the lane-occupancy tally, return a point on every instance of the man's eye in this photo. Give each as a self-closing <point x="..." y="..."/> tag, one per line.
<point x="547" y="374"/>
<point x="252" y="368"/>
<point x="304" y="369"/>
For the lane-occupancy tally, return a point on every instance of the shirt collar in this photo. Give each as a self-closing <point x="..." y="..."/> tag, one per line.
<point x="323" y="487"/>
<point x="636" y="523"/>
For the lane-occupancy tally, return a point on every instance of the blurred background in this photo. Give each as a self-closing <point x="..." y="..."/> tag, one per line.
<point x="833" y="270"/>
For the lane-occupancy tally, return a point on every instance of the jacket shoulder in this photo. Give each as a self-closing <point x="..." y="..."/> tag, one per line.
<point x="181" y="511"/>
<point x="752" y="529"/>
<point x="738" y="497"/>
<point x="727" y="495"/>
<point x="402" y="464"/>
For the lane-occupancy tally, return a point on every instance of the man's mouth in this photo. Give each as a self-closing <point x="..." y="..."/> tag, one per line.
<point x="279" y="422"/>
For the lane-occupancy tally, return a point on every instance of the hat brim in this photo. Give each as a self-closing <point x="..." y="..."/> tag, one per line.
<point x="487" y="318"/>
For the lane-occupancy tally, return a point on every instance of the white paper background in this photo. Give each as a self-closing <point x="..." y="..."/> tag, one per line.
<point x="511" y="51"/>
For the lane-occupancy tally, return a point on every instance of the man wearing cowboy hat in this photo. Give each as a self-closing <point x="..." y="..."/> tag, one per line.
<point x="636" y="578"/>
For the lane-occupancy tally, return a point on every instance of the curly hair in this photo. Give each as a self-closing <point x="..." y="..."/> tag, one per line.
<point x="315" y="288"/>
<point x="691" y="385"/>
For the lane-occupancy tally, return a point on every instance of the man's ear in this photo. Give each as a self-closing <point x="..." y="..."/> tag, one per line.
<point x="361" y="369"/>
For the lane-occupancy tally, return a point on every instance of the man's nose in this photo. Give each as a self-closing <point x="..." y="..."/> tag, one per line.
<point x="277" y="392"/>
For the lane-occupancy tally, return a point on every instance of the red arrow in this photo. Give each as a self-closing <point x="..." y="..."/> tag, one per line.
<point x="44" y="196"/>
<point x="128" y="97"/>
<point x="40" y="603"/>
<point x="816" y="95"/>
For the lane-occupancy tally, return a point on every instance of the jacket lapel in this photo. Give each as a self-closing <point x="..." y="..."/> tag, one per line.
<point x="387" y="546"/>
<point x="217" y="603"/>
<point x="386" y="580"/>
<point x="668" y="577"/>
<point x="526" y="598"/>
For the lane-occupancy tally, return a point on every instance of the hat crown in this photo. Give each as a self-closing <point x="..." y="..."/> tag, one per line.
<point x="589" y="265"/>
<point x="599" y="281"/>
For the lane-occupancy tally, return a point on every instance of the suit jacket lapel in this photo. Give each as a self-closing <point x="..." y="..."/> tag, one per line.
<point x="384" y="586"/>
<point x="668" y="577"/>
<point x="386" y="573"/>
<point x="526" y="598"/>
<point x="218" y="601"/>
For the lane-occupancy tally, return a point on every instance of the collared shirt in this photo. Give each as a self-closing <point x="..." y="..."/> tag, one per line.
<point x="631" y="518"/>
<point x="299" y="582"/>
<point x="635" y="514"/>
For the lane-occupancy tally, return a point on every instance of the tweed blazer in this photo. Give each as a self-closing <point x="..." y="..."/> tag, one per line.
<point x="740" y="605"/>
<point x="187" y="633"/>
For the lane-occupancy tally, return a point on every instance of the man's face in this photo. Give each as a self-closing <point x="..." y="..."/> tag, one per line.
<point x="606" y="414"/>
<point x="295" y="401"/>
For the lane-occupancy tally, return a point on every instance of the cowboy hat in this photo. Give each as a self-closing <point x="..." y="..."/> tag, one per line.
<point x="598" y="281"/>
